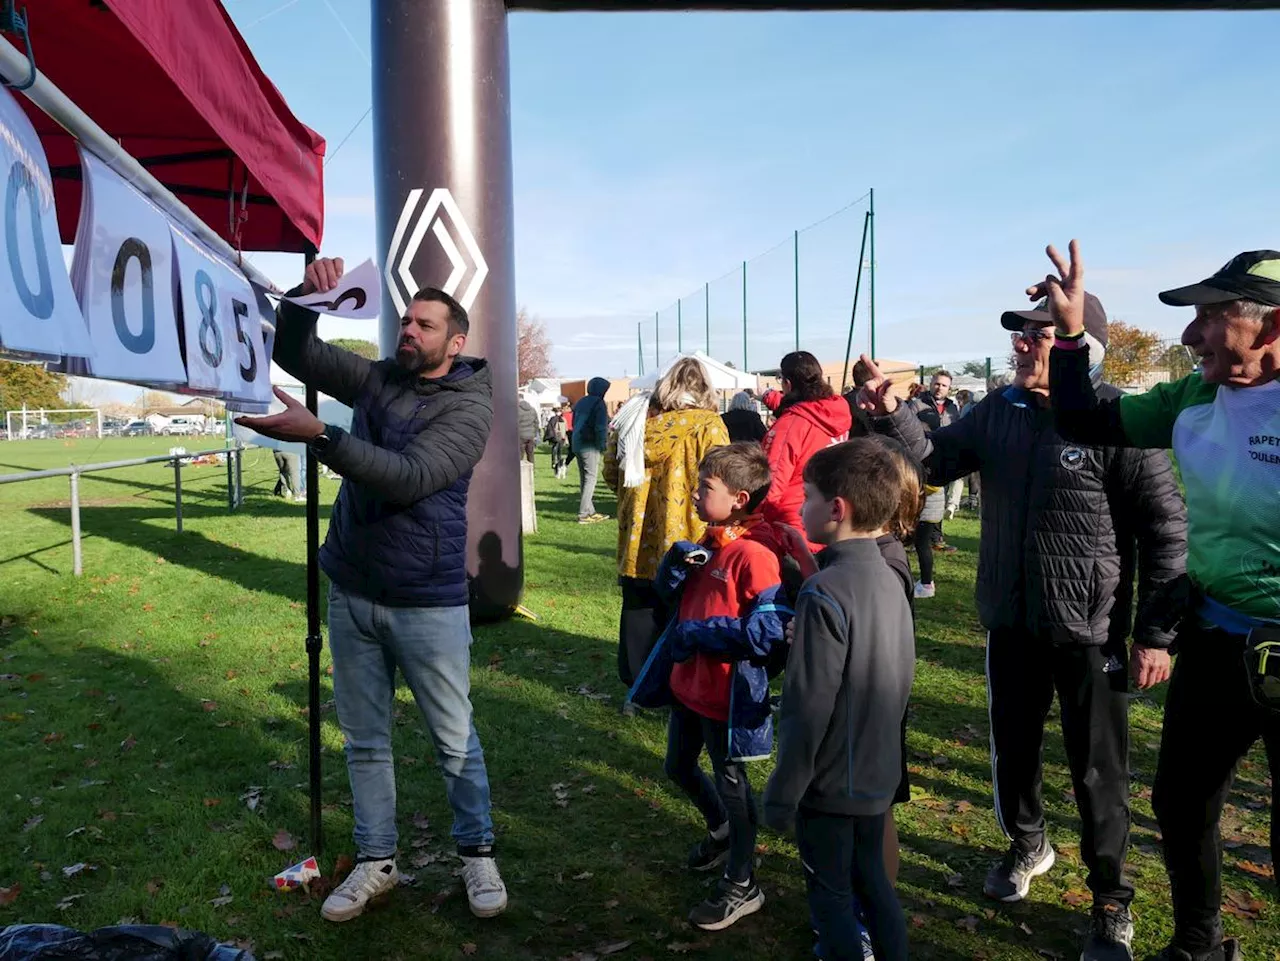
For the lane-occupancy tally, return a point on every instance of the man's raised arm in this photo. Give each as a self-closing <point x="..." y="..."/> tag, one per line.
<point x="331" y="370"/>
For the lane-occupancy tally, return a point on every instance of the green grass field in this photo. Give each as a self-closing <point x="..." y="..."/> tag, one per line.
<point x="145" y="704"/>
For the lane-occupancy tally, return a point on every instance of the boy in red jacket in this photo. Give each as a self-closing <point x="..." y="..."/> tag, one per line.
<point x="711" y="667"/>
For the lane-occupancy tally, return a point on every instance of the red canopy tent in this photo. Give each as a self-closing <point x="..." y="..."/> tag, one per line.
<point x="174" y="82"/>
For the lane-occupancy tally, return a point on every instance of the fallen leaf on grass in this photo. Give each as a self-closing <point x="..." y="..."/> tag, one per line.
<point x="1257" y="870"/>
<point x="1075" y="897"/>
<point x="918" y="921"/>
<point x="283" y="841"/>
<point x="212" y="802"/>
<point x="613" y="947"/>
<point x="955" y="881"/>
<point x="209" y="706"/>
<point x="221" y="902"/>
<point x="969" y="924"/>
<point x="272" y="955"/>
<point x="420" y="822"/>
<point x="71" y="870"/>
<point x="9" y="895"/>
<point x="31" y="823"/>
<point x="469" y="947"/>
<point x="1025" y="928"/>
<point x="583" y="876"/>
<point x="66" y="903"/>
<point x="1242" y="905"/>
<point x="53" y="737"/>
<point x="129" y="743"/>
<point x="154" y="886"/>
<point x="611" y="904"/>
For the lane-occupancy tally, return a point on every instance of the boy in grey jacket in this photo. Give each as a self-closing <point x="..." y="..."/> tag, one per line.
<point x="848" y="677"/>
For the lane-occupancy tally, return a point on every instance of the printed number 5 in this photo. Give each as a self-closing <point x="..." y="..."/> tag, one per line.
<point x="241" y="311"/>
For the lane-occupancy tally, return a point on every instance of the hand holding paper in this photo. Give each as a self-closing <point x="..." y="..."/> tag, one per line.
<point x="328" y="289"/>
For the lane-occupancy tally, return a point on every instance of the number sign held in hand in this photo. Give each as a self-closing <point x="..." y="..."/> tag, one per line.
<point x="357" y="296"/>
<point x="124" y="259"/>
<point x="38" y="310"/>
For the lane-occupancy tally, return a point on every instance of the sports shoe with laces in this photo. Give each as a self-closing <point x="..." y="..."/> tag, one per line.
<point x="731" y="902"/>
<point x="1011" y="877"/>
<point x="925" y="591"/>
<point x="1228" y="950"/>
<point x="709" y="853"/>
<point x="1111" y="938"/>
<point x="486" y="893"/>
<point x="367" y="880"/>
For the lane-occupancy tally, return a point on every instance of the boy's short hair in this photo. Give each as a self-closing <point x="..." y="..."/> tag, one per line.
<point x="864" y="473"/>
<point x="911" y="495"/>
<point x="740" y="467"/>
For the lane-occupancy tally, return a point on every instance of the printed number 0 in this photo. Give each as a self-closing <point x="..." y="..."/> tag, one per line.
<point x="241" y="312"/>
<point x="207" y="298"/>
<point x="144" y="340"/>
<point x="40" y="305"/>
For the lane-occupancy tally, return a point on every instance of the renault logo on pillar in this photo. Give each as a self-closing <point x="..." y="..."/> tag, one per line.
<point x="442" y="217"/>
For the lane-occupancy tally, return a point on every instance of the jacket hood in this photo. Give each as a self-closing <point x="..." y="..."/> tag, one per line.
<point x="469" y="375"/>
<point x="829" y="414"/>
<point x="668" y="434"/>
<point x="598" y="386"/>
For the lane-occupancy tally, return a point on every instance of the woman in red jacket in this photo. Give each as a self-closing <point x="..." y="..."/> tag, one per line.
<point x="811" y="416"/>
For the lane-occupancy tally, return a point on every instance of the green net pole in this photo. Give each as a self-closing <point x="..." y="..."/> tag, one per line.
<point x="679" y="327"/>
<point x="796" y="274"/>
<point x="744" y="316"/>
<point x="988" y="370"/>
<point x="640" y="345"/>
<point x="657" y="335"/>
<point x="871" y="214"/>
<point x="857" y="289"/>
<point x="706" y="307"/>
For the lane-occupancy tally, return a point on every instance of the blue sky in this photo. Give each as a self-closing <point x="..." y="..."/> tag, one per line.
<point x="656" y="151"/>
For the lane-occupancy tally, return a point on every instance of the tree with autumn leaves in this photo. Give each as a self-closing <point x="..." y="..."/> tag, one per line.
<point x="1131" y="353"/>
<point x="533" y="348"/>
<point x="30" y="385"/>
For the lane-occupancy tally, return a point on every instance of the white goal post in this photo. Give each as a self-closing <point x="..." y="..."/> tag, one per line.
<point x="25" y="424"/>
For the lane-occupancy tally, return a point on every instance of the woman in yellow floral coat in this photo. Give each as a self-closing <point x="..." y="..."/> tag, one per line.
<point x="655" y="446"/>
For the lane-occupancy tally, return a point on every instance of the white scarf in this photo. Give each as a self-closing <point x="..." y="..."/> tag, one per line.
<point x="629" y="424"/>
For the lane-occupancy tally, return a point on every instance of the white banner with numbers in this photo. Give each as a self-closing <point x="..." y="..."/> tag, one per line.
<point x="145" y="302"/>
<point x="38" y="310"/>
<point x="123" y="271"/>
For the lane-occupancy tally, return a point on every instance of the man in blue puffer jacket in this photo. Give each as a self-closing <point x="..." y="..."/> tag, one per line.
<point x="396" y="560"/>
<point x="711" y="667"/>
<point x="590" y="437"/>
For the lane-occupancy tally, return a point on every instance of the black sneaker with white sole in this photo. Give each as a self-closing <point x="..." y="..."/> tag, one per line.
<point x="1111" y="936"/>
<point x="1010" y="879"/>
<point x="730" y="902"/>
<point x="709" y="853"/>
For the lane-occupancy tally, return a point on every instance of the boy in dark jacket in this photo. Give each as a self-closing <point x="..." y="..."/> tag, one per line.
<point x="710" y="665"/>
<point x="849" y="674"/>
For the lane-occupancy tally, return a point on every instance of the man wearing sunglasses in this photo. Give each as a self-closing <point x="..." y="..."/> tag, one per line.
<point x="1223" y="423"/>
<point x="1065" y="526"/>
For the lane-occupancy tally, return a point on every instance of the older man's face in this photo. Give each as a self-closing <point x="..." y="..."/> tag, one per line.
<point x="1232" y="344"/>
<point x="1031" y="347"/>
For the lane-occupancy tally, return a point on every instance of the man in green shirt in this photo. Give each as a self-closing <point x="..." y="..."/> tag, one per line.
<point x="1223" y="424"/>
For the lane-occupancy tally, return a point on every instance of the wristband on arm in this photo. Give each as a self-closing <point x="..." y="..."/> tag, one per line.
<point x="1069" y="341"/>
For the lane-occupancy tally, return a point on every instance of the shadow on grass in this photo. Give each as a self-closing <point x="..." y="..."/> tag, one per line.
<point x="135" y="527"/>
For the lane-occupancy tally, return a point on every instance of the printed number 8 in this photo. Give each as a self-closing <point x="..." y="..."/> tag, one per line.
<point x="207" y="298"/>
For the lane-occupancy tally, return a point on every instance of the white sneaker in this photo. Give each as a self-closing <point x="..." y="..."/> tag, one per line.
<point x="367" y="880"/>
<point x="925" y="591"/>
<point x="485" y="890"/>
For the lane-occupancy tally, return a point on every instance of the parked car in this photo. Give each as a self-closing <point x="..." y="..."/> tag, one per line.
<point x="180" y="426"/>
<point x="137" y="428"/>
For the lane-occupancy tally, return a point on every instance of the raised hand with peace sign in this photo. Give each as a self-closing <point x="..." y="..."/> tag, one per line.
<point x="1064" y="293"/>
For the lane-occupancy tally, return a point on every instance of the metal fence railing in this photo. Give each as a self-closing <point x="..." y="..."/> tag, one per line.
<point x="235" y="484"/>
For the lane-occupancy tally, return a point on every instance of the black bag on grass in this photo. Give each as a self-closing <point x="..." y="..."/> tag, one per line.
<point x="134" y="942"/>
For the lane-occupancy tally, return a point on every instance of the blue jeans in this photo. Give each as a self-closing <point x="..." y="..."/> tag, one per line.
<point x="432" y="648"/>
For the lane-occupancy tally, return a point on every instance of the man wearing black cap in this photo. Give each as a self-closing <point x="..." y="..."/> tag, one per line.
<point x="1064" y="527"/>
<point x="1223" y="423"/>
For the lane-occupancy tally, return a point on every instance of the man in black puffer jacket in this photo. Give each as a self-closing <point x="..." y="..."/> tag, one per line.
<point x="1064" y="529"/>
<point x="396" y="560"/>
